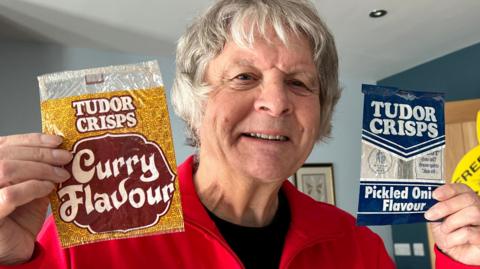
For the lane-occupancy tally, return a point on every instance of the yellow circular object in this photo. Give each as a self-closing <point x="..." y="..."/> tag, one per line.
<point x="468" y="169"/>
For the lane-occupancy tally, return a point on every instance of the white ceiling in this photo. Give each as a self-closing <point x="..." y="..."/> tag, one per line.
<point x="413" y="32"/>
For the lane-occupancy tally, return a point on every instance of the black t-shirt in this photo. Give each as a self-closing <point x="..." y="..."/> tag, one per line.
<point x="258" y="247"/>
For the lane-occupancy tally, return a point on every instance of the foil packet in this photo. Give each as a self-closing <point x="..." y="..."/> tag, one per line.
<point x="123" y="183"/>
<point x="402" y="163"/>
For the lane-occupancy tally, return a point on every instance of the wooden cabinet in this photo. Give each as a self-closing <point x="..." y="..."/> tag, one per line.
<point x="460" y="136"/>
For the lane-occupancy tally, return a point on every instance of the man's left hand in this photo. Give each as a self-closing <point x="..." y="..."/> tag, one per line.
<point x="457" y="228"/>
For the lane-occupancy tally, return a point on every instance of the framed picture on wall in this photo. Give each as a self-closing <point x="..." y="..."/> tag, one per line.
<point x="316" y="180"/>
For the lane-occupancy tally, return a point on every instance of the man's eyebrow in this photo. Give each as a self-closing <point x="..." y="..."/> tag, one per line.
<point x="236" y="63"/>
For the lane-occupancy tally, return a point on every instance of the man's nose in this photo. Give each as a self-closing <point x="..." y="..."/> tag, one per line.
<point x="274" y="98"/>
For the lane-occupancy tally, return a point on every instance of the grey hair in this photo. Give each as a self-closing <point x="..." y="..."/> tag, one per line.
<point x="225" y="20"/>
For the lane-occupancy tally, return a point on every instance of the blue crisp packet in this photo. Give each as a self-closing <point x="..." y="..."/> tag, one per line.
<point x="403" y="141"/>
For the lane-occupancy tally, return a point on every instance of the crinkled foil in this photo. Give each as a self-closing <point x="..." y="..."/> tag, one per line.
<point x="143" y="84"/>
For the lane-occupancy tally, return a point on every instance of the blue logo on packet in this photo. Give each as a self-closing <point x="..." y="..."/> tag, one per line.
<point x="405" y="123"/>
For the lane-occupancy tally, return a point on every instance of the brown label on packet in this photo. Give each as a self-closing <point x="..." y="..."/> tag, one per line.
<point x="123" y="173"/>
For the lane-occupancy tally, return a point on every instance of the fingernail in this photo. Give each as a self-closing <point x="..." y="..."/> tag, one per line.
<point x="431" y="215"/>
<point x="439" y="193"/>
<point x="61" y="154"/>
<point x="49" y="185"/>
<point x="51" y="139"/>
<point x="62" y="173"/>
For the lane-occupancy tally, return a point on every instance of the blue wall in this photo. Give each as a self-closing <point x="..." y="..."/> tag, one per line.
<point x="458" y="75"/>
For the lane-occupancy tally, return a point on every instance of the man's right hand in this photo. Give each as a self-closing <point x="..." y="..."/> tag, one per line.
<point x="29" y="169"/>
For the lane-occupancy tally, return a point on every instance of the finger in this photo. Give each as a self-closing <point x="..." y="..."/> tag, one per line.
<point x="452" y="205"/>
<point x="449" y="190"/>
<point x="13" y="172"/>
<point x="14" y="196"/>
<point x="465" y="235"/>
<point x="37" y="154"/>
<point x="34" y="140"/>
<point x="469" y="216"/>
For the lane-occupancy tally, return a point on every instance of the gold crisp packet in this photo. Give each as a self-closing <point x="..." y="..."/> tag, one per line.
<point x="123" y="174"/>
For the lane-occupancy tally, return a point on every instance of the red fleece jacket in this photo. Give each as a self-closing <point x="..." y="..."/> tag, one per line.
<point x="320" y="236"/>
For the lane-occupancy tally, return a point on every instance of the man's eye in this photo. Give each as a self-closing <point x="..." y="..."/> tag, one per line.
<point x="244" y="81"/>
<point x="244" y="77"/>
<point x="298" y="83"/>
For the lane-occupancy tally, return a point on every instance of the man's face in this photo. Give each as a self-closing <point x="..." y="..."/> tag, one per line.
<point x="261" y="120"/>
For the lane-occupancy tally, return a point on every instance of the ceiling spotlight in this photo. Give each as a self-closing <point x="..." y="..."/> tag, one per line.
<point x="377" y="13"/>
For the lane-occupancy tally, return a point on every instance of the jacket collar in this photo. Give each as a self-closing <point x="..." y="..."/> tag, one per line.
<point x="193" y="210"/>
<point x="310" y="221"/>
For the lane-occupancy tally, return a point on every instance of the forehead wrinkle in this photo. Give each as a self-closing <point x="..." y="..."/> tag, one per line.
<point x="244" y="62"/>
<point x="287" y="69"/>
<point x="280" y="58"/>
<point x="300" y="68"/>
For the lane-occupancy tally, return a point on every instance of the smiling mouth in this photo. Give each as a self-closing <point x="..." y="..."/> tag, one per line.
<point x="267" y="137"/>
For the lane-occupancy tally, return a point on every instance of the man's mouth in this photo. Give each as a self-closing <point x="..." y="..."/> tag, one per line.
<point x="267" y="137"/>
